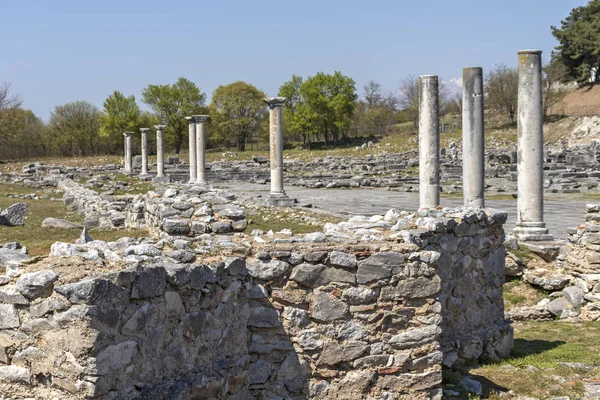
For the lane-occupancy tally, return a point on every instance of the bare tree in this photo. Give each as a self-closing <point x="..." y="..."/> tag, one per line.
<point x="555" y="73"/>
<point x="409" y="98"/>
<point x="501" y="87"/>
<point x="372" y="96"/>
<point x="7" y="99"/>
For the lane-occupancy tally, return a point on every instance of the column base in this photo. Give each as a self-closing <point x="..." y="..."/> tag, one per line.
<point x="145" y="177"/>
<point x="532" y="232"/>
<point x="161" y="179"/>
<point x="279" y="200"/>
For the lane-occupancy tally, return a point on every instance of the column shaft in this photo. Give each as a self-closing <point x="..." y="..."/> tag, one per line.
<point x="429" y="142"/>
<point x="530" y="147"/>
<point x="473" y="138"/>
<point x="276" y="153"/>
<point x="128" y="157"/>
<point x="192" y="149"/>
<point x="160" y="155"/>
<point x="144" y="151"/>
<point x="201" y="153"/>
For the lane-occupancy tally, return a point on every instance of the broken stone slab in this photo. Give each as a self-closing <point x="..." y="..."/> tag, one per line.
<point x="10" y="257"/>
<point x="14" y="215"/>
<point x="552" y="283"/>
<point x="84" y="237"/>
<point x="59" y="224"/>
<point x="547" y="250"/>
<point x="9" y="317"/>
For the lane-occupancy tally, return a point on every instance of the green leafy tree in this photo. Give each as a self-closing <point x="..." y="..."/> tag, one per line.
<point x="174" y="102"/>
<point x="320" y="107"/>
<point x="121" y="114"/>
<point x="75" y="128"/>
<point x="579" y="42"/>
<point x="329" y="101"/>
<point x="237" y="112"/>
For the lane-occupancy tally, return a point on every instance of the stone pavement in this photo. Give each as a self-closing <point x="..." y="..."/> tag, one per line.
<point x="560" y="212"/>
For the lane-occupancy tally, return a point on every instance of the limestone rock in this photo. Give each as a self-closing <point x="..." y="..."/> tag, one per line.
<point x="59" y="224"/>
<point x="92" y="291"/>
<point x="412" y="288"/>
<point x="553" y="283"/>
<point x="9" y="317"/>
<point x="14" y="215"/>
<point x="326" y="308"/>
<point x="267" y="270"/>
<point x="150" y="282"/>
<point x="13" y="373"/>
<point x="415" y="337"/>
<point x="341" y="259"/>
<point x="37" y="284"/>
<point x="334" y="353"/>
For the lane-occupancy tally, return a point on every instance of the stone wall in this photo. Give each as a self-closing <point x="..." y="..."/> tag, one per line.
<point x="96" y="210"/>
<point x="340" y="319"/>
<point x="190" y="212"/>
<point x="583" y="248"/>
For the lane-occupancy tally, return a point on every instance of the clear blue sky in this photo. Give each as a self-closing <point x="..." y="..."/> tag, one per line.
<point x="53" y="52"/>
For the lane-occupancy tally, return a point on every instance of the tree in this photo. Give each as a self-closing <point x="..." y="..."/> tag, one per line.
<point x="328" y="103"/>
<point x="501" y="87"/>
<point x="174" y="102"/>
<point x="75" y="128"/>
<point x="121" y="114"/>
<point x="555" y="72"/>
<point x="8" y="100"/>
<point x="579" y="42"/>
<point x="409" y="98"/>
<point x="237" y="111"/>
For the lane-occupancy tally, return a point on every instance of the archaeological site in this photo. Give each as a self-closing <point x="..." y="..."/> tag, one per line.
<point x="191" y="300"/>
<point x="331" y="200"/>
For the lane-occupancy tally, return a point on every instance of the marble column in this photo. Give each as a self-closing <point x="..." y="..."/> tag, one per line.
<point x="473" y="139"/>
<point x="276" y="145"/>
<point x="200" y="148"/>
<point x="429" y="142"/>
<point x="128" y="168"/>
<point x="277" y="196"/>
<point x="530" y="148"/>
<point x="144" y="151"/>
<point x="160" y="154"/>
<point x="192" y="149"/>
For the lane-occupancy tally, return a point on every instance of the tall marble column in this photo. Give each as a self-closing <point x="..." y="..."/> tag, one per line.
<point x="128" y="167"/>
<point x="200" y="148"/>
<point x="429" y="142"/>
<point x="530" y="148"/>
<point x="144" y="132"/>
<point x="277" y="196"/>
<point x="473" y="138"/>
<point x="160" y="154"/>
<point x="192" y="149"/>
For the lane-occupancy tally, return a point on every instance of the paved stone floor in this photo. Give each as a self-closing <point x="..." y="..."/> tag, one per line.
<point x="560" y="212"/>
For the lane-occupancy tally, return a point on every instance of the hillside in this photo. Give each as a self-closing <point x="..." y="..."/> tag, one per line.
<point x="584" y="101"/>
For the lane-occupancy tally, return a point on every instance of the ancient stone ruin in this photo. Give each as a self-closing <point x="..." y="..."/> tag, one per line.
<point x="371" y="308"/>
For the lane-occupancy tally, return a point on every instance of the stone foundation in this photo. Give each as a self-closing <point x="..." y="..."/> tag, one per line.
<point x="583" y="249"/>
<point x="343" y="319"/>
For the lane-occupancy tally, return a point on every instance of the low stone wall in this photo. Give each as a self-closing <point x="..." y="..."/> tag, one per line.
<point x="96" y="210"/>
<point x="295" y="320"/>
<point x="181" y="211"/>
<point x="583" y="248"/>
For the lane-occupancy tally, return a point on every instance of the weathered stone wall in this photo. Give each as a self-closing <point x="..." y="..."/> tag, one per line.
<point x="297" y="320"/>
<point x="187" y="212"/>
<point x="583" y="248"/>
<point x="96" y="210"/>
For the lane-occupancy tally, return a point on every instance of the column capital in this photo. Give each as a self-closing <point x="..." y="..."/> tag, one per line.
<point x="529" y="51"/>
<point x="274" y="102"/>
<point x="127" y="133"/>
<point x="199" y="118"/>
<point x="144" y="130"/>
<point x="190" y="119"/>
<point x="160" y="127"/>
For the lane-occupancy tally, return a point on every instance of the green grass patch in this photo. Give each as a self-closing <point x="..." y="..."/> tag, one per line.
<point x="37" y="239"/>
<point x="519" y="294"/>
<point x="544" y="345"/>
